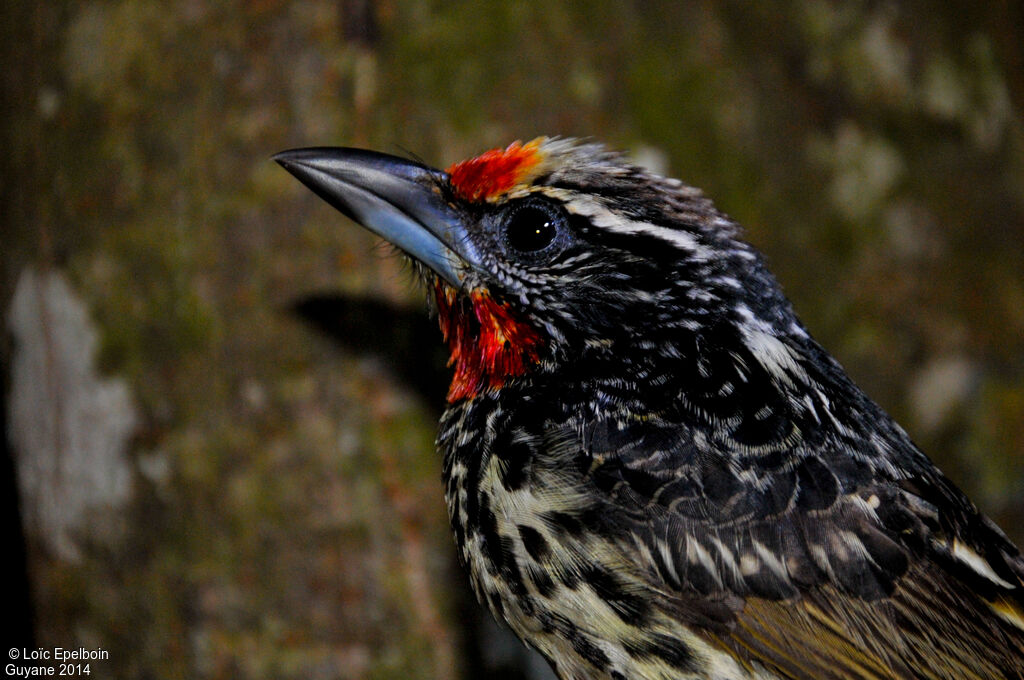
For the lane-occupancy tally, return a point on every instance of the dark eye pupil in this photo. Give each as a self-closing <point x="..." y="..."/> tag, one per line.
<point x="530" y="229"/>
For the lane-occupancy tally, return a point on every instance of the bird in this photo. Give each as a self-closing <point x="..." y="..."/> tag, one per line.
<point x="652" y="470"/>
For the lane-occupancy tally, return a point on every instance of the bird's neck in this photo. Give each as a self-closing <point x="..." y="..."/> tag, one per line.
<point x="760" y="388"/>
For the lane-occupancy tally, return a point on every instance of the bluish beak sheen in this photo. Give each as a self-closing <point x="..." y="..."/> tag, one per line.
<point x="395" y="198"/>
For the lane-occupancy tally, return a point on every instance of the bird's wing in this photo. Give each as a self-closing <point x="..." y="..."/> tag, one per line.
<point x="834" y="562"/>
<point x="823" y="579"/>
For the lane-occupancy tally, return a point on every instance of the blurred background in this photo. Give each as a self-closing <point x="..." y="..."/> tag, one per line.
<point x="218" y="404"/>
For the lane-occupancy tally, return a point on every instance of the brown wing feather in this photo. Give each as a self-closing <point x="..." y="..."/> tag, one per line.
<point x="929" y="629"/>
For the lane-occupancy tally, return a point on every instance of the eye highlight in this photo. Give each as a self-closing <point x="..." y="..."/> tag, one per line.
<point x="532" y="227"/>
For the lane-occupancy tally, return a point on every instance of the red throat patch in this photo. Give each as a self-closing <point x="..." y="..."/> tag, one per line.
<point x="494" y="172"/>
<point x="488" y="344"/>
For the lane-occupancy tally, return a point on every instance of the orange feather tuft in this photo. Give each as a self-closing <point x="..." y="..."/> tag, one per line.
<point x="494" y="172"/>
<point x="488" y="344"/>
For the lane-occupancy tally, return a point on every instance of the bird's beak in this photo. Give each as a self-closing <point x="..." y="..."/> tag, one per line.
<point x="397" y="199"/>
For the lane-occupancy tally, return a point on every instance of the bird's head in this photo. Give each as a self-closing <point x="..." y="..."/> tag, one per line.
<point x="543" y="252"/>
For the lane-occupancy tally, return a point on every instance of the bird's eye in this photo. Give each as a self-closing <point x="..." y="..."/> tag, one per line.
<point x="532" y="226"/>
